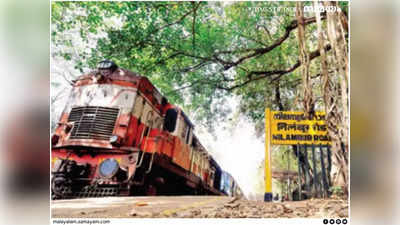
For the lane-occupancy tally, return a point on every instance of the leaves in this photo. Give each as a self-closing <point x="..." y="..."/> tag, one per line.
<point x="156" y="39"/>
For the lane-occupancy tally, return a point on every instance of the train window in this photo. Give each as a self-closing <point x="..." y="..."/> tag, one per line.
<point x="212" y="175"/>
<point x="194" y="142"/>
<point x="146" y="132"/>
<point x="188" y="135"/>
<point x="170" y="120"/>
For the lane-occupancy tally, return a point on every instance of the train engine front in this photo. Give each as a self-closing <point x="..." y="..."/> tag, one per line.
<point x="95" y="147"/>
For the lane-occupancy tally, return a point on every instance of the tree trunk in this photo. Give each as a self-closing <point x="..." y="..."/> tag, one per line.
<point x="308" y="100"/>
<point x="335" y="92"/>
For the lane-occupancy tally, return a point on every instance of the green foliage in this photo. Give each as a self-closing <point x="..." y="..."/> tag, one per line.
<point x="187" y="49"/>
<point x="283" y="156"/>
<point x="336" y="190"/>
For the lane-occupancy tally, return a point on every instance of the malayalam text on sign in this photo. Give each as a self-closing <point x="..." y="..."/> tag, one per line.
<point x="291" y="128"/>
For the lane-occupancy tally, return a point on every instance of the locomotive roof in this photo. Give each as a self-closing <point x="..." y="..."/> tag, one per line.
<point x="186" y="118"/>
<point x="118" y="74"/>
<point x="129" y="76"/>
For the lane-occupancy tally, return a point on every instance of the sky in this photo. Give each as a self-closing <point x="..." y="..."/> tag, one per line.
<point x="240" y="153"/>
<point x="236" y="148"/>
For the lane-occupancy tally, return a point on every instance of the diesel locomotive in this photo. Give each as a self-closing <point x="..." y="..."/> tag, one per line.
<point x="117" y="136"/>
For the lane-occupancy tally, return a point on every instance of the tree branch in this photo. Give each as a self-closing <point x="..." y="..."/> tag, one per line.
<point x="253" y="52"/>
<point x="278" y="99"/>
<point x="260" y="51"/>
<point x="264" y="74"/>
<point x="193" y="25"/>
<point x="179" y="20"/>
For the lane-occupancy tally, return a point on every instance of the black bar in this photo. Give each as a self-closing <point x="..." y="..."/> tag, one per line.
<point x="323" y="172"/>
<point x="307" y="175"/>
<point x="329" y="165"/>
<point x="289" y="192"/>
<point x="315" y="172"/>
<point x="299" y="170"/>
<point x="267" y="197"/>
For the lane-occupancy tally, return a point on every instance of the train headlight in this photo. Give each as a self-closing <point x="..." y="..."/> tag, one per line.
<point x="57" y="165"/>
<point x="108" y="168"/>
<point x="106" y="67"/>
<point x="115" y="140"/>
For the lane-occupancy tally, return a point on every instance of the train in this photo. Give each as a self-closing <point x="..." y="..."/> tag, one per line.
<point x="118" y="136"/>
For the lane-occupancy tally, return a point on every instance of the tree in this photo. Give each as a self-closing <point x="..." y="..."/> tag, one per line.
<point x="199" y="54"/>
<point x="335" y="89"/>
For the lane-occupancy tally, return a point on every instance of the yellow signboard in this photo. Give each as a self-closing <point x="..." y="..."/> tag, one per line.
<point x="291" y="128"/>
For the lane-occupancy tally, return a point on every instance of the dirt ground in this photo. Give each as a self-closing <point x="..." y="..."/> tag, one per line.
<point x="315" y="208"/>
<point x="197" y="207"/>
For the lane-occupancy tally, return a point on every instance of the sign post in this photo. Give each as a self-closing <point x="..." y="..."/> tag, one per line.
<point x="268" y="177"/>
<point x="291" y="128"/>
